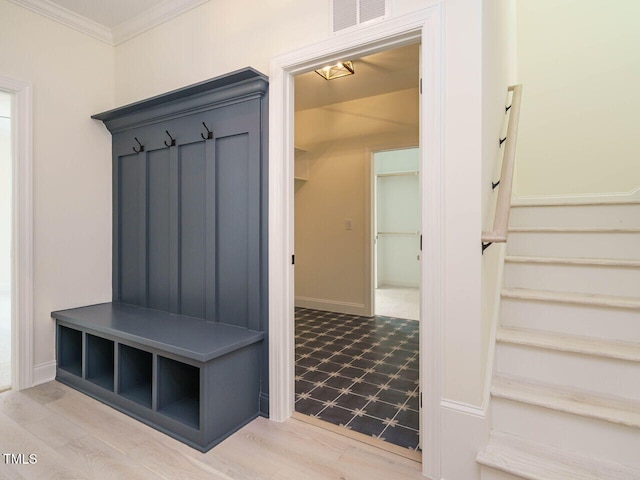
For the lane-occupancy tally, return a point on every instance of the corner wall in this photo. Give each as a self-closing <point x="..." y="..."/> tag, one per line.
<point x="72" y="77"/>
<point x="579" y="64"/>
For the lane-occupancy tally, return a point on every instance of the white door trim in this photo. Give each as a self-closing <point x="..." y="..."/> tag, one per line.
<point x="22" y="234"/>
<point x="425" y="26"/>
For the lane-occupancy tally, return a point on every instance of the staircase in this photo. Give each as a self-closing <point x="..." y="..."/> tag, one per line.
<point x="566" y="382"/>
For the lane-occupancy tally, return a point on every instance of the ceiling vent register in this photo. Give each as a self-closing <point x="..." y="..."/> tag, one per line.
<point x="349" y="13"/>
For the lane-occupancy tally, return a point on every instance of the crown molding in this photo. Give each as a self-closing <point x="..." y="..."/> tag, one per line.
<point x="153" y="17"/>
<point x="128" y="29"/>
<point x="67" y="17"/>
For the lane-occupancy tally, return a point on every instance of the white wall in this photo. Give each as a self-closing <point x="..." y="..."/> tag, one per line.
<point x="5" y="191"/>
<point x="72" y="77"/>
<point x="580" y="66"/>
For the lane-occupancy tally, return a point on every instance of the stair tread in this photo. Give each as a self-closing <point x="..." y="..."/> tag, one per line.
<point x="607" y="262"/>
<point x="566" y="399"/>
<point x="573" y="230"/>
<point x="535" y="461"/>
<point x="577" y="298"/>
<point x="570" y="343"/>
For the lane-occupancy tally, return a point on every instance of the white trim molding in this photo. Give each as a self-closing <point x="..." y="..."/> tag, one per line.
<point x="142" y="22"/>
<point x="21" y="233"/>
<point x="632" y="196"/>
<point x="465" y="408"/>
<point x="43" y="373"/>
<point x="423" y="26"/>
<point x="331" y="305"/>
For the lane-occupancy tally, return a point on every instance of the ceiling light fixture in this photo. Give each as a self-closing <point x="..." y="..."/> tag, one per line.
<point x="340" y="69"/>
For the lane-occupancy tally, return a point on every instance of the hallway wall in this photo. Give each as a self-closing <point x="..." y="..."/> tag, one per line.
<point x="72" y="77"/>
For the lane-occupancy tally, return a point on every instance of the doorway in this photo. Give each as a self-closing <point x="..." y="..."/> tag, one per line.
<point x="354" y="369"/>
<point x="396" y="238"/>
<point x="6" y="100"/>
<point x="424" y="26"/>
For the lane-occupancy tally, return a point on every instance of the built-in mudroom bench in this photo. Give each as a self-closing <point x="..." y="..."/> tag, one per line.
<point x="182" y="346"/>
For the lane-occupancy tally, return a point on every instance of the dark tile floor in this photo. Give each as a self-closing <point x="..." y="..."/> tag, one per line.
<point x="359" y="373"/>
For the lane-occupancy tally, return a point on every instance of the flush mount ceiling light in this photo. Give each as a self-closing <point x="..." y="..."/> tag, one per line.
<point x="340" y="69"/>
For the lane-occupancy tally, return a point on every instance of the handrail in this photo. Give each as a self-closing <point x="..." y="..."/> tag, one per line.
<point x="503" y="204"/>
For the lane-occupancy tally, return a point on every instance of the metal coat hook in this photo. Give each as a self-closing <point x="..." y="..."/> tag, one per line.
<point x="141" y="149"/>
<point x="209" y="133"/>
<point x="173" y="140"/>
<point x="506" y="109"/>
<point x="502" y="140"/>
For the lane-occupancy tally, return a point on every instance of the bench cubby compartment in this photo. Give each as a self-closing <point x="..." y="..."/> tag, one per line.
<point x="70" y="350"/>
<point x="179" y="391"/>
<point x="135" y="374"/>
<point x="100" y="361"/>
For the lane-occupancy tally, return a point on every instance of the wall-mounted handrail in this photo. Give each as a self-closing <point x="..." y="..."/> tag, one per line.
<point x="503" y="204"/>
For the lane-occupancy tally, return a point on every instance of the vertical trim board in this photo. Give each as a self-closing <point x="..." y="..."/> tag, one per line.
<point x="22" y="368"/>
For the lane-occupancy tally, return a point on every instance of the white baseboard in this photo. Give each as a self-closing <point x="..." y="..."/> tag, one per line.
<point x="43" y="373"/>
<point x="632" y="196"/>
<point x="460" y="407"/>
<point x="332" y="306"/>
<point x="465" y="432"/>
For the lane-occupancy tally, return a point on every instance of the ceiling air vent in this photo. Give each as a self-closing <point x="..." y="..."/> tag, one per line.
<point x="348" y="13"/>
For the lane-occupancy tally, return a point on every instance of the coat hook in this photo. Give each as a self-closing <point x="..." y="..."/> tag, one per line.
<point x="173" y="140"/>
<point x="141" y="149"/>
<point x="502" y="140"/>
<point x="506" y="109"/>
<point x="209" y="133"/>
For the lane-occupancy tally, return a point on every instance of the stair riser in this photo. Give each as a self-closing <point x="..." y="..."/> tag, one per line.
<point x="582" y="216"/>
<point x="575" y="245"/>
<point x="584" y="320"/>
<point x="600" y="375"/>
<point x="488" y="473"/>
<point x="566" y="431"/>
<point x="597" y="280"/>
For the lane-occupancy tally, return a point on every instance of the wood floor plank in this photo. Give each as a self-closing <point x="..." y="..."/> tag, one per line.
<point x="50" y="464"/>
<point x="102" y="461"/>
<point x="77" y="437"/>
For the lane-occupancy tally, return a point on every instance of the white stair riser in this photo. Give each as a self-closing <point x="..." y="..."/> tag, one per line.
<point x="598" y="280"/>
<point x="575" y="245"/>
<point x="488" y="473"/>
<point x="600" y="375"/>
<point x="584" y="320"/>
<point x="584" y="216"/>
<point x="566" y="431"/>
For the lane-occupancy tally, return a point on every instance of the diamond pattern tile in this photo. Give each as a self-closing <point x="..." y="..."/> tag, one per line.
<point x="359" y="373"/>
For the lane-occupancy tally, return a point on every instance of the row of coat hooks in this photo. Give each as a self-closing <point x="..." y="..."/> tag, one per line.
<point x="172" y="142"/>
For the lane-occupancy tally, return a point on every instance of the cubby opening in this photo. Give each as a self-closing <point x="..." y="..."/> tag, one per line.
<point x="179" y="391"/>
<point x="135" y="372"/>
<point x="100" y="361"/>
<point x="70" y="350"/>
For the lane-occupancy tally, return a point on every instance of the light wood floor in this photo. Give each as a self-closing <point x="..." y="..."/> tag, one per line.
<point x="76" y="437"/>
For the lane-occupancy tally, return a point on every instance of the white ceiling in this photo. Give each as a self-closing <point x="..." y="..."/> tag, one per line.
<point x="380" y="73"/>
<point x="109" y="13"/>
<point x="112" y="21"/>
